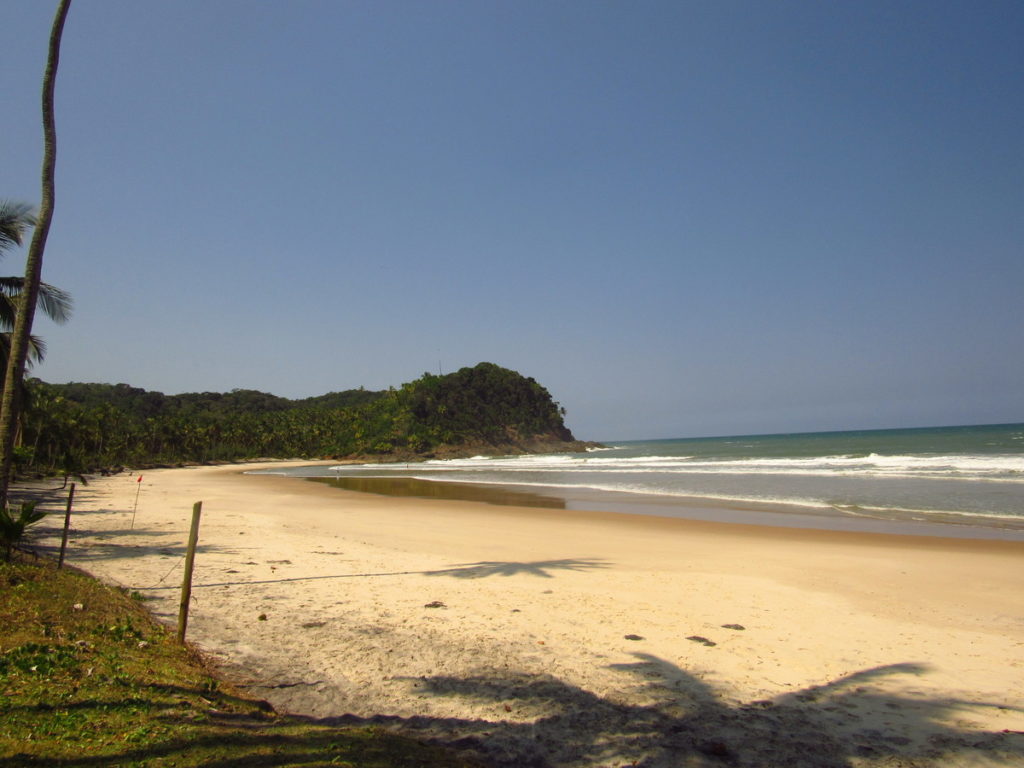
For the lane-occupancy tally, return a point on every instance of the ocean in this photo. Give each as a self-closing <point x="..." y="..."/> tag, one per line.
<point x="965" y="480"/>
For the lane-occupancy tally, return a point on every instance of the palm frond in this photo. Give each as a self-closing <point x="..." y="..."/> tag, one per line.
<point x="55" y="302"/>
<point x="12" y="529"/>
<point x="36" y="351"/>
<point x="15" y="218"/>
<point x="8" y="311"/>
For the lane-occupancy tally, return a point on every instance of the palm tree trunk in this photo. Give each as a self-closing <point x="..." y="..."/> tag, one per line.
<point x="34" y="262"/>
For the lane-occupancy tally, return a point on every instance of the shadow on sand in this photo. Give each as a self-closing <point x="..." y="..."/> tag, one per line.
<point x="53" y="497"/>
<point x="540" y="568"/>
<point x="846" y="723"/>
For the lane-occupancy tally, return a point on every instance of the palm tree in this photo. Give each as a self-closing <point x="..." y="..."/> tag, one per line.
<point x="34" y="263"/>
<point x="55" y="303"/>
<point x="15" y="219"/>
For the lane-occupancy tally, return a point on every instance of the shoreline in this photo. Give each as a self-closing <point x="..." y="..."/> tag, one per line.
<point x="580" y="638"/>
<point x="676" y="507"/>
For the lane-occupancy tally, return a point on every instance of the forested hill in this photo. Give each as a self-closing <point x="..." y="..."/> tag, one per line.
<point x="484" y="409"/>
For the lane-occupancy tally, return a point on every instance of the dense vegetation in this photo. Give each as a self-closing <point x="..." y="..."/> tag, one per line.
<point x="87" y="678"/>
<point x="85" y="427"/>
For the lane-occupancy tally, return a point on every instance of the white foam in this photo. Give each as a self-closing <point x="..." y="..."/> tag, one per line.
<point x="961" y="467"/>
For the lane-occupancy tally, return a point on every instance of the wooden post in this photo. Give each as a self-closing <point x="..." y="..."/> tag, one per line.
<point x="67" y="525"/>
<point x="186" y="584"/>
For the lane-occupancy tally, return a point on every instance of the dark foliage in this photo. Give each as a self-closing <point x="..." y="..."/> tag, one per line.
<point x="85" y="427"/>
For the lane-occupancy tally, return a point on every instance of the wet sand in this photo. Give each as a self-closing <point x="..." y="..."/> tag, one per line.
<point x="539" y="636"/>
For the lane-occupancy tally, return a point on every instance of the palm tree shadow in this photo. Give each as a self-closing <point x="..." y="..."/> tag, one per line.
<point x="682" y="721"/>
<point x="89" y="545"/>
<point x="54" y="498"/>
<point x="483" y="570"/>
<point x="686" y="724"/>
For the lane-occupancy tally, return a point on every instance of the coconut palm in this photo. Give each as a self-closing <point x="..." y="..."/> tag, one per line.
<point x="15" y="368"/>
<point x="55" y="303"/>
<point x="15" y="219"/>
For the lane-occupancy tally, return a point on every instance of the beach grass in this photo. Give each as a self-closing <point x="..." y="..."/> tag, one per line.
<point x="88" y="678"/>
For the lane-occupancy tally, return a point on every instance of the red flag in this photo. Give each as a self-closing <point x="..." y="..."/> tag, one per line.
<point x="139" y="480"/>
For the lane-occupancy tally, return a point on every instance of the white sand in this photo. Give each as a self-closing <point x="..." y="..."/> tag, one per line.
<point x="856" y="649"/>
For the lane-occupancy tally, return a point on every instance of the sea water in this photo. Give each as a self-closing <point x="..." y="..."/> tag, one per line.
<point x="968" y="475"/>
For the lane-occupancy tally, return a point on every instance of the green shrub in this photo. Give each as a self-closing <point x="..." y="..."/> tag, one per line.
<point x="12" y="529"/>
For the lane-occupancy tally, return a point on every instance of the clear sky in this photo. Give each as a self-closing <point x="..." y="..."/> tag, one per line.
<point x="683" y="218"/>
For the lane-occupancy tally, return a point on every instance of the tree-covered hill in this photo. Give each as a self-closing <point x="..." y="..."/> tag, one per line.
<point x="485" y="409"/>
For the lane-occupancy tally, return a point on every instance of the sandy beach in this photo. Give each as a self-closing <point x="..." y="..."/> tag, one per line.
<point x="540" y="637"/>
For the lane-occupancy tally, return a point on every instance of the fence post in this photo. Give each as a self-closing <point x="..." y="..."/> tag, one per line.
<point x="67" y="525"/>
<point x="186" y="584"/>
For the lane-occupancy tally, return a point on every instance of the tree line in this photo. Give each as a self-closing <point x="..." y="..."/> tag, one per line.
<point x="77" y="428"/>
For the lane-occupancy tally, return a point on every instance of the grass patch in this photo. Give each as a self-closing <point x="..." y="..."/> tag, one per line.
<point x="87" y="678"/>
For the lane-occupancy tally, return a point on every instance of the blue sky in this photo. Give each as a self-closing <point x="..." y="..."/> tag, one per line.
<point x="683" y="218"/>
